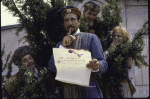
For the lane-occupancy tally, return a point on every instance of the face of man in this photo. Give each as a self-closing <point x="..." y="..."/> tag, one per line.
<point x="119" y="37"/>
<point x="28" y="61"/>
<point x="91" y="15"/>
<point x="71" y="21"/>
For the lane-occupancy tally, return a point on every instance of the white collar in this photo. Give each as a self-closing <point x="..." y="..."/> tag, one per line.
<point x="77" y="32"/>
<point x="36" y="72"/>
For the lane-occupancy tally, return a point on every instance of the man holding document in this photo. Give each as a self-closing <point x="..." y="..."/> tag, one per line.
<point x="80" y="51"/>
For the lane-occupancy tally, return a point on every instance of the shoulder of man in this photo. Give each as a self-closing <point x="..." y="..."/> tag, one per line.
<point x="12" y="78"/>
<point x="10" y="85"/>
<point x="88" y="34"/>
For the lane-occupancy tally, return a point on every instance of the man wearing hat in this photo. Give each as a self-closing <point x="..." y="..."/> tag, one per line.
<point x="28" y="70"/>
<point x="81" y="40"/>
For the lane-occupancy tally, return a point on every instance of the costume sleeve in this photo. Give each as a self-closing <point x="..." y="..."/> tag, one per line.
<point x="51" y="64"/>
<point x="60" y="46"/>
<point x="5" y="93"/>
<point x="97" y="53"/>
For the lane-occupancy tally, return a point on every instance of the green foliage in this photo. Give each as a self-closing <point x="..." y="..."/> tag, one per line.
<point x="41" y="24"/>
<point x="83" y="25"/>
<point x="44" y="30"/>
<point x="25" y="85"/>
<point x="111" y="13"/>
<point x="79" y="1"/>
<point x="138" y="45"/>
<point x="9" y="69"/>
<point x="8" y="63"/>
<point x="2" y="53"/>
<point x="111" y="17"/>
<point x="135" y="47"/>
<point x="130" y="49"/>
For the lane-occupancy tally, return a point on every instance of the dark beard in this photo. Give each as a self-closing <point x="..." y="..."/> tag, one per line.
<point x="73" y="32"/>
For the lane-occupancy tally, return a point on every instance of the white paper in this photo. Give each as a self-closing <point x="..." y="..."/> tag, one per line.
<point x="71" y="68"/>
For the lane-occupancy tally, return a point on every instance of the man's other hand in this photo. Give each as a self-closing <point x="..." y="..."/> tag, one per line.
<point x="94" y="65"/>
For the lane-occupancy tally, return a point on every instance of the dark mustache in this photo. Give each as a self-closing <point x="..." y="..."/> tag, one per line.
<point x="70" y="27"/>
<point x="31" y="63"/>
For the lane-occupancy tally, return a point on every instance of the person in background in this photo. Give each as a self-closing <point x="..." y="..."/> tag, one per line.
<point x="91" y="10"/>
<point x="16" y="86"/>
<point x="121" y="36"/>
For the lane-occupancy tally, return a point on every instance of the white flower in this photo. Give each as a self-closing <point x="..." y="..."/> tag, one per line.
<point x="42" y="71"/>
<point x="111" y="12"/>
<point x="45" y="69"/>
<point x="25" y="73"/>
<point x="29" y="73"/>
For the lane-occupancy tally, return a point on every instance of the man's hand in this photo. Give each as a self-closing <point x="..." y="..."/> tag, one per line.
<point x="67" y="40"/>
<point x="114" y="43"/>
<point x="94" y="65"/>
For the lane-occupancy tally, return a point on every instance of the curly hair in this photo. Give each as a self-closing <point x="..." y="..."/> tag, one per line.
<point x="91" y="6"/>
<point x="123" y="31"/>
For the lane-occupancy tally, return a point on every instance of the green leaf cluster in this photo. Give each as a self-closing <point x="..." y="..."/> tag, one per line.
<point x="7" y="64"/>
<point x="83" y="25"/>
<point x="25" y="85"/>
<point x="111" y="13"/>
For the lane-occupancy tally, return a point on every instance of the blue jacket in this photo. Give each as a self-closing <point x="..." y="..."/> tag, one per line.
<point x="93" y="45"/>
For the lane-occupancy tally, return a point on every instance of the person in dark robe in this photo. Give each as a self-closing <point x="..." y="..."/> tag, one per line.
<point x="16" y="87"/>
<point x="80" y="40"/>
